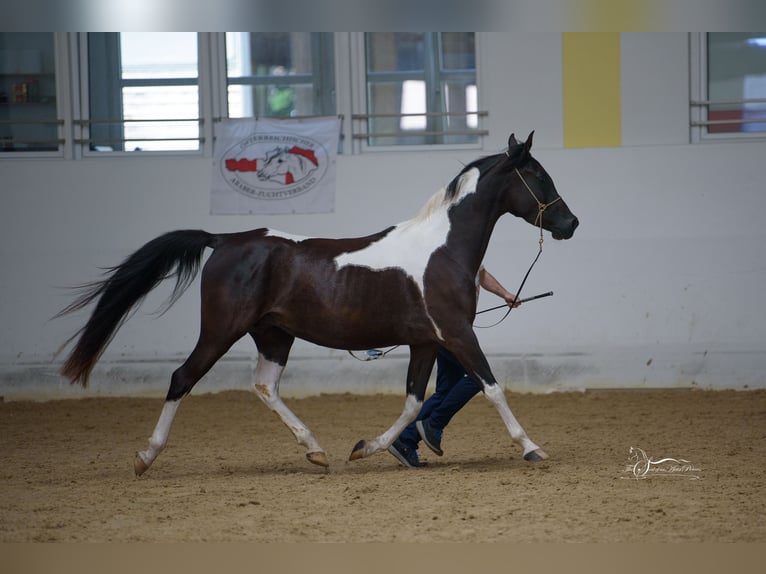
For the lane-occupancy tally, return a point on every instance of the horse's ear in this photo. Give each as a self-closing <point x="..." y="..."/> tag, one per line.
<point x="528" y="143"/>
<point x="517" y="151"/>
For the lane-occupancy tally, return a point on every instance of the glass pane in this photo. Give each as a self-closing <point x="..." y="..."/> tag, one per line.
<point x="28" y="113"/>
<point x="148" y="76"/>
<point x="160" y="103"/>
<point x="268" y="54"/>
<point x="286" y="100"/>
<point x="395" y="52"/>
<point x="736" y="72"/>
<point x="282" y="74"/>
<point x="398" y="98"/>
<point x="458" y="51"/>
<point x="419" y="79"/>
<point x="158" y="55"/>
<point x="460" y="96"/>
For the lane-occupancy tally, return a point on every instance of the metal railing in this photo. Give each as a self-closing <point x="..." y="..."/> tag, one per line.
<point x="90" y="140"/>
<point x="9" y="143"/>
<point x="361" y="120"/>
<point x="700" y="104"/>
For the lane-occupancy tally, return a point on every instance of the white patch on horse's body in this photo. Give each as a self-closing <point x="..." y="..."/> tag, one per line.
<point x="405" y="247"/>
<point x="283" y="235"/>
<point x="410" y="244"/>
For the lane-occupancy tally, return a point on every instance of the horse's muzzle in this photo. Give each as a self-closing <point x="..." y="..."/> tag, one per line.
<point x="566" y="230"/>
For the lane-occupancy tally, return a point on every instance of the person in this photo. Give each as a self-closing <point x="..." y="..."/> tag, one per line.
<point x="454" y="388"/>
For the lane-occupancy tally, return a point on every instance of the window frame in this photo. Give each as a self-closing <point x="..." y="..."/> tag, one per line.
<point x="81" y="139"/>
<point x="62" y="120"/>
<point x="699" y="99"/>
<point x="349" y="85"/>
<point x="360" y="108"/>
<point x="323" y="84"/>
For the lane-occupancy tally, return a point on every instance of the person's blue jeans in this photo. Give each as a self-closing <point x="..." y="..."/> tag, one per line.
<point x="454" y="388"/>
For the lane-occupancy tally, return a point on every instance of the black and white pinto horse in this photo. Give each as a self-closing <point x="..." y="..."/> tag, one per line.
<point x="411" y="284"/>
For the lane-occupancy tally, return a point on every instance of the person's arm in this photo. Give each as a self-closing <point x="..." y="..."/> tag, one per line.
<point x="491" y="284"/>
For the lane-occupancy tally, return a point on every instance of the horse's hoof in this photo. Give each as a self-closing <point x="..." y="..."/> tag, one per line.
<point x="318" y="458"/>
<point x="139" y="466"/>
<point x="358" y="451"/>
<point x="535" y="455"/>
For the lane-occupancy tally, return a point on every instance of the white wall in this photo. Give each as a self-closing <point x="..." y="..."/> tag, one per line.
<point x="660" y="286"/>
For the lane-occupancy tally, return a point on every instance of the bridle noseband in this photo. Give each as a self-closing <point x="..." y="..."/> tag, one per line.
<point x="541" y="207"/>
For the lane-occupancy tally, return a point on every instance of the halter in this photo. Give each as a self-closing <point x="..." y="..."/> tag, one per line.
<point x="541" y="207"/>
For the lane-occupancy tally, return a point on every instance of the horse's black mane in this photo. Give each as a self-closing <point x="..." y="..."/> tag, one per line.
<point x="483" y="164"/>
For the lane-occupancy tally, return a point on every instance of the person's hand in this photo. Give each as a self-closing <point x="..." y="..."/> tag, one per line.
<point x="512" y="301"/>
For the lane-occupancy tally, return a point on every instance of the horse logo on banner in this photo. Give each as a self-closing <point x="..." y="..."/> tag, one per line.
<point x="275" y="166"/>
<point x="283" y="165"/>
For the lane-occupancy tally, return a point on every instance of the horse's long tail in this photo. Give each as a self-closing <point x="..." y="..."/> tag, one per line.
<point x="176" y="254"/>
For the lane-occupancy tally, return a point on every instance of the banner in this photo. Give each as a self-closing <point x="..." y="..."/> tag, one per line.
<point x="272" y="166"/>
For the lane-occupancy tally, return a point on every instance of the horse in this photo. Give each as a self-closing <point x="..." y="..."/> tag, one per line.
<point x="288" y="165"/>
<point x="412" y="284"/>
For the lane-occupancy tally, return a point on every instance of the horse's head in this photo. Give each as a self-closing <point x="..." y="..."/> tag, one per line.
<point x="274" y="165"/>
<point x="534" y="197"/>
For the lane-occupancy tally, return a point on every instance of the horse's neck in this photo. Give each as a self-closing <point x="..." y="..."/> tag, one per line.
<point x="465" y="223"/>
<point x="471" y="225"/>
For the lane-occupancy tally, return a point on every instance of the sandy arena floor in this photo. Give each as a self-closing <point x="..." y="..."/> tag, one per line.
<point x="233" y="472"/>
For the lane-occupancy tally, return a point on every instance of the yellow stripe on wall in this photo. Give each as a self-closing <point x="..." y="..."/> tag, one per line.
<point x="591" y="84"/>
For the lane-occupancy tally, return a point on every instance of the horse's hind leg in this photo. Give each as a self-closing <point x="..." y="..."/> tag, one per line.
<point x="274" y="346"/>
<point x="202" y="358"/>
<point x="144" y="459"/>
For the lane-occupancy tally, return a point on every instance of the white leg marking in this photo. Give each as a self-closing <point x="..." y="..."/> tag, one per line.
<point x="267" y="375"/>
<point x="159" y="438"/>
<point x="496" y="396"/>
<point x="411" y="409"/>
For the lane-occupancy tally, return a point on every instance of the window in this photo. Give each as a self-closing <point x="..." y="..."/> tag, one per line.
<point x="143" y="92"/>
<point x="86" y="94"/>
<point x="280" y="74"/>
<point x="420" y="89"/>
<point x="730" y="98"/>
<point x="28" y="104"/>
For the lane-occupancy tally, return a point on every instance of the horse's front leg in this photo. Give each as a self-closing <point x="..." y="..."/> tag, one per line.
<point x="267" y="376"/>
<point x="496" y="396"/>
<point x="470" y="355"/>
<point x="422" y="359"/>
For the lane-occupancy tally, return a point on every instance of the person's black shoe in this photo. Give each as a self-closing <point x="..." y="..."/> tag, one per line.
<point x="431" y="437"/>
<point x="407" y="456"/>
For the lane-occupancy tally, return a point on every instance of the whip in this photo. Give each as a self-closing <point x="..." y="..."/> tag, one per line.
<point x="540" y="296"/>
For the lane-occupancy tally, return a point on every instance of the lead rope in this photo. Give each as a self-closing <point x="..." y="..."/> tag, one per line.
<point x="372" y="354"/>
<point x="541" y="207"/>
